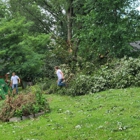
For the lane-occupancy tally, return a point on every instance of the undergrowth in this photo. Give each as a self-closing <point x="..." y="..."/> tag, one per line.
<point x="23" y="104"/>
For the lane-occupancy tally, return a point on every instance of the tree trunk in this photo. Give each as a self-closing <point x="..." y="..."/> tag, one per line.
<point x="69" y="24"/>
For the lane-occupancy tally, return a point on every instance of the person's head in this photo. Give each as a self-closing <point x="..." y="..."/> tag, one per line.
<point x="56" y="67"/>
<point x="13" y="73"/>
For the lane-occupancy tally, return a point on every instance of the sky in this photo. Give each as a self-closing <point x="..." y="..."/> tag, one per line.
<point x="138" y="8"/>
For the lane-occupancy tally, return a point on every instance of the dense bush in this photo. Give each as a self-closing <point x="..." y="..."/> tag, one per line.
<point x="23" y="105"/>
<point x="123" y="73"/>
<point x="120" y="73"/>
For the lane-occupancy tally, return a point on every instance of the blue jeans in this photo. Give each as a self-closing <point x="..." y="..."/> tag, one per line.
<point x="16" y="87"/>
<point x="61" y="82"/>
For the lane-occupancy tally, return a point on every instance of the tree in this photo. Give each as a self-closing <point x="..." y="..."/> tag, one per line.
<point x="50" y="16"/>
<point x="19" y="49"/>
<point x="88" y="27"/>
<point x="32" y="12"/>
<point x="107" y="26"/>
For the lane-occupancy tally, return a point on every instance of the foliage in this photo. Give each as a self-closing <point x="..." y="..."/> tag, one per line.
<point x="125" y="73"/>
<point x="107" y="26"/>
<point x="68" y="74"/>
<point x="3" y="10"/>
<point x="3" y="89"/>
<point x="121" y="73"/>
<point x="49" y="85"/>
<point x="23" y="105"/>
<point x="21" y="51"/>
<point x="37" y="35"/>
<point x="31" y="11"/>
<point x="58" y="54"/>
<point x="77" y="27"/>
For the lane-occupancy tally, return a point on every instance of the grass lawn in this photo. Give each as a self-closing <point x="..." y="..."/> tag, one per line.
<point x="109" y="115"/>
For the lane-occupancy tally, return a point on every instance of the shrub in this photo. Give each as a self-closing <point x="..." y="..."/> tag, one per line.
<point x="23" y="105"/>
<point x="120" y="73"/>
<point x="83" y="84"/>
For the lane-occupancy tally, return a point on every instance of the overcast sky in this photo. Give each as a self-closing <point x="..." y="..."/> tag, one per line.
<point x="138" y="8"/>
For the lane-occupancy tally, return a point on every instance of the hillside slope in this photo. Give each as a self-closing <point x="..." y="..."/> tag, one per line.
<point x="109" y="115"/>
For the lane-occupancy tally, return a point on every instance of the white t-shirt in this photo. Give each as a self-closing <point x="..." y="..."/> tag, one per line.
<point x="59" y="74"/>
<point x="14" y="79"/>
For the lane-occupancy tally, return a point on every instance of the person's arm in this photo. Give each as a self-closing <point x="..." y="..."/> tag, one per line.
<point x="18" y="79"/>
<point x="11" y="82"/>
<point x="62" y="75"/>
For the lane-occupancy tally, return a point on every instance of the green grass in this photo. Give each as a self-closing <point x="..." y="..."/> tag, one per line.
<point x="109" y="115"/>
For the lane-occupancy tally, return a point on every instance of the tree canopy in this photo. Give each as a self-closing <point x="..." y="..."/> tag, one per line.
<point x="35" y="34"/>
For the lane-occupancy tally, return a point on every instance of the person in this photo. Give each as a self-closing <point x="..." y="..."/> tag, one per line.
<point x="14" y="81"/>
<point x="60" y="75"/>
<point x="7" y="80"/>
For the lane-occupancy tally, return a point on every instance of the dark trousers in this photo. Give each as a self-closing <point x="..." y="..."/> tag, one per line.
<point x="61" y="82"/>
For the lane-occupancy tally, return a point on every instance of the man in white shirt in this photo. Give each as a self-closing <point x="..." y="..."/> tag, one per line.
<point x="14" y="81"/>
<point x="60" y="75"/>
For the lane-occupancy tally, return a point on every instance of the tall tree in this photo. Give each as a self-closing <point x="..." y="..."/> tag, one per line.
<point x="52" y="16"/>
<point x="107" y="26"/>
<point x="20" y="49"/>
<point x="32" y="12"/>
<point x="101" y="24"/>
